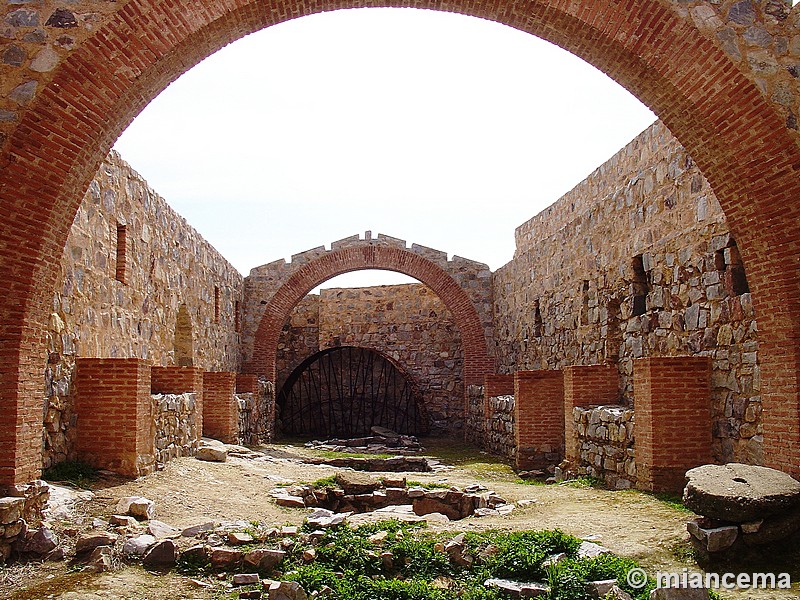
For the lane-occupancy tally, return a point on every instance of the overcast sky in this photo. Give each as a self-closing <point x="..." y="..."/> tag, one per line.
<point x="441" y="129"/>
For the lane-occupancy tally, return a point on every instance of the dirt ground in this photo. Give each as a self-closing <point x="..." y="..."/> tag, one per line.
<point x="190" y="492"/>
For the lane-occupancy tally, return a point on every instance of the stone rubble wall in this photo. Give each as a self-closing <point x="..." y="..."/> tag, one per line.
<point x="606" y="438"/>
<point x="167" y="265"/>
<point x="176" y="426"/>
<point x="20" y="511"/>
<point x="407" y="323"/>
<point x="636" y="261"/>
<point x="500" y="427"/>
<point x="257" y="415"/>
<point x="474" y="421"/>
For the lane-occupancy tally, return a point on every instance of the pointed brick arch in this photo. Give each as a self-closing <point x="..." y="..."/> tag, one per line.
<point x="734" y="133"/>
<point x="372" y="255"/>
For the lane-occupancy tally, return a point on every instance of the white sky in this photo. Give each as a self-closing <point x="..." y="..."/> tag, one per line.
<point x="440" y="129"/>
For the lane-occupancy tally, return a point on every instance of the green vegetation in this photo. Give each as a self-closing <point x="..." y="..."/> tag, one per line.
<point x="408" y="563"/>
<point x="75" y="472"/>
<point x="326" y="482"/>
<point x="429" y="485"/>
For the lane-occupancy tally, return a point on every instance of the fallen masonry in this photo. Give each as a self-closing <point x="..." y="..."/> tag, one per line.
<point x="358" y="493"/>
<point x="382" y="441"/>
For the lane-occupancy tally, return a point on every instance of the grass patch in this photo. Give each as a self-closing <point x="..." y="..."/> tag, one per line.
<point x="326" y="482"/>
<point x="75" y="472"/>
<point x="674" y="502"/>
<point x="429" y="485"/>
<point x="583" y="483"/>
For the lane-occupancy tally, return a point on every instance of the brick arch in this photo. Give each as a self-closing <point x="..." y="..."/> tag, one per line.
<point x="734" y="133"/>
<point x="372" y="255"/>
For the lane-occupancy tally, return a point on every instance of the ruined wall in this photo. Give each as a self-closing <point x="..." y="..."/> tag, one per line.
<point x="257" y="414"/>
<point x="136" y="281"/>
<point x="500" y="428"/>
<point x="636" y="261"/>
<point x="176" y="426"/>
<point x="407" y="323"/>
<point x="606" y="439"/>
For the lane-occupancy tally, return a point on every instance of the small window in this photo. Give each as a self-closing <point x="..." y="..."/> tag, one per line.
<point x="640" y="285"/>
<point x="122" y="254"/>
<point x="729" y="262"/>
<point x="216" y="304"/>
<point x="537" y="319"/>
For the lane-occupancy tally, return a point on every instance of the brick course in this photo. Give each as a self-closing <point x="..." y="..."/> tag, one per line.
<point x="220" y="409"/>
<point x="538" y="418"/>
<point x="115" y="415"/>
<point x="673" y="420"/>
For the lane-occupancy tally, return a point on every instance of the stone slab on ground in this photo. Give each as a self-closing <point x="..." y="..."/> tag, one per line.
<point x="739" y="493"/>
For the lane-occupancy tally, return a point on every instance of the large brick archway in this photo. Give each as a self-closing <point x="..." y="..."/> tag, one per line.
<point x="372" y="255"/>
<point x="732" y="130"/>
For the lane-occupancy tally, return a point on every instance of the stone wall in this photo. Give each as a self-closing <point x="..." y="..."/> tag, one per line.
<point x="176" y="426"/>
<point x="136" y="282"/>
<point x="257" y="414"/>
<point x="606" y="440"/>
<point x="474" y="419"/>
<point x="636" y="261"/>
<point x="500" y="426"/>
<point x="407" y="323"/>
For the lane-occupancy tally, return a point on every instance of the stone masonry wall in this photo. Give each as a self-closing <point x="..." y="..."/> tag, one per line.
<point x="606" y="437"/>
<point x="176" y="426"/>
<point x="636" y="261"/>
<point x="136" y="281"/>
<point x="257" y="414"/>
<point x="474" y="419"/>
<point x="407" y="323"/>
<point x="500" y="428"/>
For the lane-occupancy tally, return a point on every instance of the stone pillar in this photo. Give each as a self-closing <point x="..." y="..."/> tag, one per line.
<point x="493" y="386"/>
<point x="672" y="400"/>
<point x="220" y="409"/>
<point x="585" y="386"/>
<point x="538" y="418"/>
<point x="115" y="421"/>
<point x="181" y="380"/>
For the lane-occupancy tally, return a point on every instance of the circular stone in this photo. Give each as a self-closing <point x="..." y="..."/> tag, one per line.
<point x="739" y="493"/>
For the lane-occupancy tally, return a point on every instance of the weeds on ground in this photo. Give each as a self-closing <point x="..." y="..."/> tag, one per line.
<point x="75" y="472"/>
<point x="409" y="563"/>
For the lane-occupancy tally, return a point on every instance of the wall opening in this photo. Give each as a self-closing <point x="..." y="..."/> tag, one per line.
<point x="121" y="274"/>
<point x="184" y="347"/>
<point x="640" y="286"/>
<point x="728" y="262"/>
<point x="537" y="319"/>
<point x="216" y="304"/>
<point x="585" y="302"/>
<point x="344" y="391"/>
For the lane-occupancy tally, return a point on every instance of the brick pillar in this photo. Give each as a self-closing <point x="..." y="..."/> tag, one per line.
<point x="115" y="420"/>
<point x="584" y="387"/>
<point x="181" y="380"/>
<point x="246" y="383"/>
<point x="538" y="418"/>
<point x="672" y="400"/>
<point x="220" y="412"/>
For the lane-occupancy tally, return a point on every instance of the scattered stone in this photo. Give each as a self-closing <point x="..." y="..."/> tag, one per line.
<point x="138" y="545"/>
<point x="122" y="521"/>
<point x="159" y="529"/>
<point x="378" y="538"/>
<point x="224" y="558"/>
<point x="290" y="501"/>
<point x="162" y="554"/>
<point x="286" y="590"/>
<point x="212" y="451"/>
<point x="599" y="589"/>
<point x="714" y="539"/>
<point x="196" y="555"/>
<point x="591" y="550"/>
<point x="41" y="541"/>
<point x="309" y="555"/>
<point x="238" y="538"/>
<point x="246" y="579"/>
<point x="739" y="493"/>
<point x="518" y="590"/>
<point x="289" y="530"/>
<point x="354" y="483"/>
<point x="100" y="560"/>
<point x="87" y="542"/>
<point x="264" y="559"/>
<point x="198" y="529"/>
<point x="138" y="507"/>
